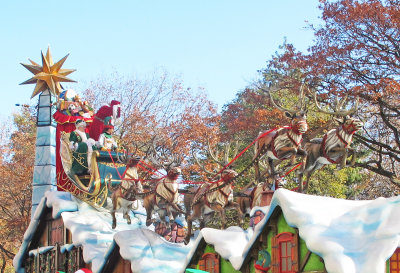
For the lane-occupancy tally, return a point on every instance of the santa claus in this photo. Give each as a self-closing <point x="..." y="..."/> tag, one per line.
<point x="112" y="110"/>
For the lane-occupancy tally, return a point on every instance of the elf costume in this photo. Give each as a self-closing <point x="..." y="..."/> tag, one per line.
<point x="106" y="141"/>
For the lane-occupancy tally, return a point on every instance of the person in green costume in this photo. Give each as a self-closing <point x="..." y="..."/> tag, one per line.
<point x="82" y="147"/>
<point x="106" y="141"/>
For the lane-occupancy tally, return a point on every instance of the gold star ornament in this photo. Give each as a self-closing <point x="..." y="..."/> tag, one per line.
<point x="49" y="75"/>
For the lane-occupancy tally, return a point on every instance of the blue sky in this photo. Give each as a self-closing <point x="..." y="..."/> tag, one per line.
<point x="217" y="44"/>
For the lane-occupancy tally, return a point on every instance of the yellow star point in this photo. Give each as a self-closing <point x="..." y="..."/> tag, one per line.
<point x="49" y="75"/>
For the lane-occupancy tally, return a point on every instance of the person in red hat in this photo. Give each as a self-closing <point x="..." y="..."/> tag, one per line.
<point x="112" y="110"/>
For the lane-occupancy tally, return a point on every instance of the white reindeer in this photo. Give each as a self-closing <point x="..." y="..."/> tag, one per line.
<point x="334" y="146"/>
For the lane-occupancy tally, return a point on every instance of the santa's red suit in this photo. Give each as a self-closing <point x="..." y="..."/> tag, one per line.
<point x="113" y="110"/>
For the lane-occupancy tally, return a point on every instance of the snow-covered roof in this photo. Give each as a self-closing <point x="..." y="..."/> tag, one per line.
<point x="229" y="243"/>
<point x="62" y="202"/>
<point x="91" y="229"/>
<point x="351" y="236"/>
<point x="149" y="252"/>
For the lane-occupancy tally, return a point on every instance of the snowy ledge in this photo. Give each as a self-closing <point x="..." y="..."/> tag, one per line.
<point x="40" y="250"/>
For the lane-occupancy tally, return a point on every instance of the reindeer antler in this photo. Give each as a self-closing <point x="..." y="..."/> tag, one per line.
<point x="215" y="156"/>
<point x="302" y="97"/>
<point x="301" y="103"/>
<point x="202" y="165"/>
<point x="338" y="109"/>
<point x="174" y="161"/>
<point x="227" y="149"/>
<point x="283" y="109"/>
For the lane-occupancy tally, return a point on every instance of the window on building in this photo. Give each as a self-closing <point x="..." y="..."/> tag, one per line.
<point x="209" y="262"/>
<point x="285" y="253"/>
<point x="56" y="232"/>
<point x="395" y="262"/>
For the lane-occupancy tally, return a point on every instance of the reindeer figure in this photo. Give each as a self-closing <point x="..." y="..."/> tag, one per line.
<point x="334" y="147"/>
<point x="252" y="197"/>
<point x="164" y="198"/>
<point x="213" y="197"/>
<point x="127" y="192"/>
<point x="283" y="143"/>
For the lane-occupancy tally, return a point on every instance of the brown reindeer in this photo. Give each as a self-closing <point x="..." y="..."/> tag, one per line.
<point x="334" y="146"/>
<point x="213" y="197"/>
<point x="127" y="192"/>
<point x="283" y="143"/>
<point x="163" y="198"/>
<point x="252" y="197"/>
<point x="221" y="155"/>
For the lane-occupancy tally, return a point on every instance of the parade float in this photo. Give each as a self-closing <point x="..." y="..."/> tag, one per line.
<point x="82" y="178"/>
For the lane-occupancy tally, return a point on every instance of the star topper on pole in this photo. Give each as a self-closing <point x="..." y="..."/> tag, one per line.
<point x="49" y="75"/>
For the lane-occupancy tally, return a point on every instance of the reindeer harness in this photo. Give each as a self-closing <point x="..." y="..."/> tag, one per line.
<point x="346" y="144"/>
<point x="162" y="197"/>
<point x="208" y="190"/>
<point x="296" y="144"/>
<point x="129" y="193"/>
<point x="168" y="202"/>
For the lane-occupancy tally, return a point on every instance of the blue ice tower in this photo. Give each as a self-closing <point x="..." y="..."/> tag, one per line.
<point x="44" y="174"/>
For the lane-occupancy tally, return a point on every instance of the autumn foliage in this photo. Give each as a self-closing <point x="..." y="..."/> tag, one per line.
<point x="161" y="118"/>
<point x="16" y="171"/>
<point x="356" y="53"/>
<point x="250" y="113"/>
